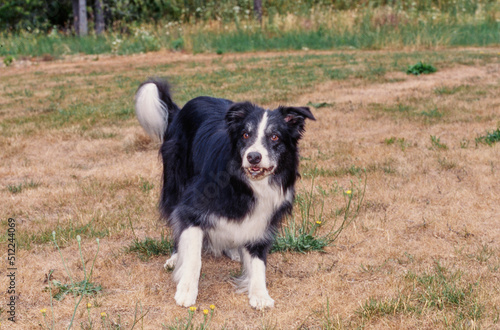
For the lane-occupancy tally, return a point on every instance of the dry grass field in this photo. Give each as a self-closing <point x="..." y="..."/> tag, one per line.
<point x="423" y="252"/>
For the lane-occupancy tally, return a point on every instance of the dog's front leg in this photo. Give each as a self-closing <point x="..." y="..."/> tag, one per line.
<point x="188" y="266"/>
<point x="254" y="271"/>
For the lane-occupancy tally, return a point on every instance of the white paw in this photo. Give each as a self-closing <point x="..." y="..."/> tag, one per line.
<point x="170" y="264"/>
<point x="261" y="300"/>
<point x="186" y="294"/>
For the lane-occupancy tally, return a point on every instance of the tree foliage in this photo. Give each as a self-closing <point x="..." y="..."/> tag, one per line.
<point x="32" y="14"/>
<point x="46" y="14"/>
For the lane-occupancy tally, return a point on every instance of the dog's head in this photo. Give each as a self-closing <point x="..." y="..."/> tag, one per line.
<point x="265" y="139"/>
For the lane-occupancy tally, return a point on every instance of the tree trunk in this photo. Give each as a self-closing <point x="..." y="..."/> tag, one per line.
<point x="75" y="16"/>
<point x="99" y="17"/>
<point x="257" y="8"/>
<point x="82" y="18"/>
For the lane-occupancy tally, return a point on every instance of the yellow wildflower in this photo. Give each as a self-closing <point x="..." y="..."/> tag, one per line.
<point x="212" y="307"/>
<point x="103" y="314"/>
<point x="89" y="305"/>
<point x="192" y="309"/>
<point x="348" y="192"/>
<point x="318" y="222"/>
<point x="43" y="311"/>
<point x="205" y="311"/>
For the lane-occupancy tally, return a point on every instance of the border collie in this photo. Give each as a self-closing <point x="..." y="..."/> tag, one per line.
<point x="229" y="171"/>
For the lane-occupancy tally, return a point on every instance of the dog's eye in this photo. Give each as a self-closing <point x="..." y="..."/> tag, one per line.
<point x="274" y="137"/>
<point x="246" y="136"/>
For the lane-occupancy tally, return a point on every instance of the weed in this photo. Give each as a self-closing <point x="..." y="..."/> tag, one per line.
<point x="178" y="44"/>
<point x="338" y="74"/>
<point x="81" y="288"/>
<point x="65" y="231"/>
<point x="489" y="138"/>
<point x="188" y="323"/>
<point x="483" y="254"/>
<point x="444" y="90"/>
<point x="399" y="108"/>
<point x="434" y="113"/>
<point x="303" y="236"/>
<point x="319" y="105"/>
<point x="401" y="142"/>
<point x="78" y="288"/>
<point x="8" y="60"/>
<point x="446" y="164"/>
<point x="17" y="188"/>
<point x="149" y="247"/>
<point x="436" y="143"/>
<point x="146" y="186"/>
<point x="389" y="306"/>
<point x="421" y="68"/>
<point x="441" y="291"/>
<point x="328" y="321"/>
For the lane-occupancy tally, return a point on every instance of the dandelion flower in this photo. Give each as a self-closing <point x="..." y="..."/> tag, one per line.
<point x="348" y="192"/>
<point x="103" y="314"/>
<point x="205" y="311"/>
<point x="89" y="305"/>
<point x="192" y="309"/>
<point x="212" y="307"/>
<point x="318" y="222"/>
<point x="43" y="311"/>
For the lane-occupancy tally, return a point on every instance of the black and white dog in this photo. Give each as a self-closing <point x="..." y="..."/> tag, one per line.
<point x="229" y="171"/>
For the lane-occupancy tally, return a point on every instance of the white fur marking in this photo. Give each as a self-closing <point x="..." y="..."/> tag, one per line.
<point x="258" y="146"/>
<point x="170" y="263"/>
<point x="151" y="111"/>
<point x="254" y="282"/>
<point x="187" y="270"/>
<point x="231" y="234"/>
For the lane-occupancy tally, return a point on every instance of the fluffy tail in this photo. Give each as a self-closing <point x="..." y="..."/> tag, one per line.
<point x="154" y="107"/>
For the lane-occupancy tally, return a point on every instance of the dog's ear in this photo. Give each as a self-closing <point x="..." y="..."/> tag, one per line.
<point x="237" y="112"/>
<point x="295" y="117"/>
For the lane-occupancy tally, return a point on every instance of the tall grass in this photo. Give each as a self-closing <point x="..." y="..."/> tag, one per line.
<point x="365" y="27"/>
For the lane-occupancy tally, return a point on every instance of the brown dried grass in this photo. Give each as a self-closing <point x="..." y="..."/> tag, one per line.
<point x="424" y="202"/>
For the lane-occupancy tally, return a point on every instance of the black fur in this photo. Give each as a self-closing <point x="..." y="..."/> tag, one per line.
<point x="203" y="175"/>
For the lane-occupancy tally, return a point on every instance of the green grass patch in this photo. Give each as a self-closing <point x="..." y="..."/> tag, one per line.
<point x="337" y="172"/>
<point x="150" y="247"/>
<point x="401" y="142"/>
<point x="441" y="291"/>
<point x="279" y="79"/>
<point x="433" y="113"/>
<point x="489" y="138"/>
<point x="421" y="68"/>
<point x="437" y="144"/>
<point x="17" y="188"/>
<point x="65" y="231"/>
<point x="445" y="90"/>
<point x="319" y="105"/>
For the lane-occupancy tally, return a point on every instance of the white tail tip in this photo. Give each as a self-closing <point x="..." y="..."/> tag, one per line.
<point x="151" y="111"/>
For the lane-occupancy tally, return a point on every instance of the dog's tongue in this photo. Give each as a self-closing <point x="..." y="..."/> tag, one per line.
<point x="255" y="169"/>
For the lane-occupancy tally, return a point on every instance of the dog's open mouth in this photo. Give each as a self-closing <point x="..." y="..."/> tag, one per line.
<point x="257" y="172"/>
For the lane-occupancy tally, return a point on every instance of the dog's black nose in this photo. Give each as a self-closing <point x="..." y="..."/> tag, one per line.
<point x="254" y="158"/>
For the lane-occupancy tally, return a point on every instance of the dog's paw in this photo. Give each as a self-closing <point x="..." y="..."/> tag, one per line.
<point x="186" y="294"/>
<point x="261" y="300"/>
<point x="170" y="263"/>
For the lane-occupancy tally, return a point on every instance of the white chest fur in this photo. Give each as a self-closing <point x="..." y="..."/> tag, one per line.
<point x="229" y="234"/>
